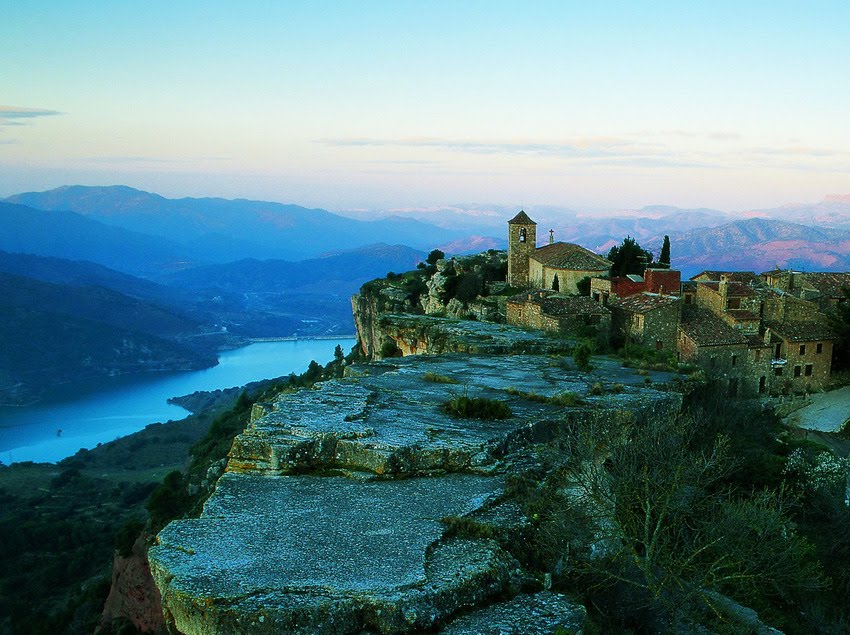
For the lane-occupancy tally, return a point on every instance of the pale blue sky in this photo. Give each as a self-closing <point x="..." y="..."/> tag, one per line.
<point x="406" y="104"/>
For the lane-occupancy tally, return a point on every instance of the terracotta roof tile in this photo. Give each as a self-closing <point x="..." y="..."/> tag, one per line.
<point x="573" y="305"/>
<point x="801" y="331"/>
<point x="570" y="256"/>
<point x="644" y="302"/>
<point x="706" y="329"/>
<point x="829" y="283"/>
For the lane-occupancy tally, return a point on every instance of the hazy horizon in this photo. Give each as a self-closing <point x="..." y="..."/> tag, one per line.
<point x="384" y="105"/>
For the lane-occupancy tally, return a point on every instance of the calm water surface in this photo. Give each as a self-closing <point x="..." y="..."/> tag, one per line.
<point x="103" y="410"/>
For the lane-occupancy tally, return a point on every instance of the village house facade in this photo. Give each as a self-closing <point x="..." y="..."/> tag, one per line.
<point x="548" y="311"/>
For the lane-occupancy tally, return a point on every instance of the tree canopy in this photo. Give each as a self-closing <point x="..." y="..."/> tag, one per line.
<point x="629" y="257"/>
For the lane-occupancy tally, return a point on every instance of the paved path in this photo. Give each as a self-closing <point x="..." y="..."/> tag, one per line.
<point x="827" y="412"/>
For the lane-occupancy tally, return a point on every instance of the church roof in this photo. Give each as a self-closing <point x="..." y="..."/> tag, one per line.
<point x="521" y="219"/>
<point x="570" y="256"/>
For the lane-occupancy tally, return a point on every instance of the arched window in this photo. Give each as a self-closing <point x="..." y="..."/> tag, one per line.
<point x="522" y="234"/>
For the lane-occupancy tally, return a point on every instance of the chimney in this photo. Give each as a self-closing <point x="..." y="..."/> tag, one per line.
<point x="551" y="236"/>
<point x="723" y="287"/>
<point x="661" y="291"/>
<point x="767" y="335"/>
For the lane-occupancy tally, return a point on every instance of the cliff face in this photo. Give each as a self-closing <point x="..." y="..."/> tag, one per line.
<point x="133" y="596"/>
<point x="458" y="289"/>
<point x="310" y="531"/>
<point x="384" y="335"/>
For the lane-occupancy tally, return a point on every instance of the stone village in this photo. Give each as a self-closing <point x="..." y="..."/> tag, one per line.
<point x="761" y="334"/>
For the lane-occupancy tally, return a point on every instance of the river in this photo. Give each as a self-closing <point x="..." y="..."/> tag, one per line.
<point x="103" y="410"/>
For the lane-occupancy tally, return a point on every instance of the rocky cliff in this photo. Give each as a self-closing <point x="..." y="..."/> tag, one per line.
<point x="331" y="515"/>
<point x="463" y="289"/>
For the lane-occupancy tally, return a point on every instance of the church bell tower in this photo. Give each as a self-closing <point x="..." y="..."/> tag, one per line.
<point x="522" y="241"/>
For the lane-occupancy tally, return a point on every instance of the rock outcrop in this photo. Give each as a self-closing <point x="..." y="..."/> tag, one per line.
<point x="133" y="597"/>
<point x="310" y="530"/>
<point x="405" y="334"/>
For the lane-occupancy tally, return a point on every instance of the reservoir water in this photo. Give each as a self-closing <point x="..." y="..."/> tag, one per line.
<point x="103" y="410"/>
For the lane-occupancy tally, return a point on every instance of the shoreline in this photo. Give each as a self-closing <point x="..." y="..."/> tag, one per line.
<point x="296" y="338"/>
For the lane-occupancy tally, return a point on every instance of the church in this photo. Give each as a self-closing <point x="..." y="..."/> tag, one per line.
<point x="558" y="265"/>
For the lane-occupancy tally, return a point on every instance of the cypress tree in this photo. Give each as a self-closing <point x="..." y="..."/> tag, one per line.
<point x="664" y="258"/>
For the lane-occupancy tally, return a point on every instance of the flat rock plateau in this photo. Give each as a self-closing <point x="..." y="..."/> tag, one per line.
<point x="328" y="516"/>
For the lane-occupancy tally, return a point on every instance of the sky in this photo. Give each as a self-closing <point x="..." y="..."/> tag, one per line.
<point x="379" y="105"/>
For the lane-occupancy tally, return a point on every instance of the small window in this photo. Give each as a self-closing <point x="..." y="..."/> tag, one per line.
<point x="758" y="354"/>
<point x="778" y="371"/>
<point x="797" y="371"/>
<point x="734" y="360"/>
<point x="762" y="383"/>
<point x="802" y="349"/>
<point x="733" y="303"/>
<point x="778" y="351"/>
<point x="659" y="345"/>
<point x="819" y="348"/>
<point x="808" y="372"/>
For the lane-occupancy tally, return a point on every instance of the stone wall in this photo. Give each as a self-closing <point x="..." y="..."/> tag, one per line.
<point x="543" y="276"/>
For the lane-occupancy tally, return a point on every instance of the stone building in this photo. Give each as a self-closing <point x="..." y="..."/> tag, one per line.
<point x="566" y="315"/>
<point x="602" y="290"/>
<point x="664" y="281"/>
<point x="558" y="266"/>
<point x="793" y="330"/>
<point x="824" y="288"/>
<point x="801" y="354"/>
<point x="724" y="352"/>
<point x="649" y="319"/>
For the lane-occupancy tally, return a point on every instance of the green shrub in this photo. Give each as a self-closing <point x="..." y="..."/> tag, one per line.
<point x="565" y="399"/>
<point x="436" y="378"/>
<point x="581" y="356"/>
<point x="465" y="527"/>
<point x="597" y="389"/>
<point x="126" y="536"/>
<point x="477" y="408"/>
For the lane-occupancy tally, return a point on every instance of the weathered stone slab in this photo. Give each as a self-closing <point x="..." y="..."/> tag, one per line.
<point x="324" y="554"/>
<point x="539" y="614"/>
<point x="386" y="419"/>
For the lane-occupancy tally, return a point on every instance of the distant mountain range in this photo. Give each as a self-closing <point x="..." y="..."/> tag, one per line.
<point x="758" y="244"/>
<point x="339" y="273"/>
<point x="214" y="230"/>
<point x="833" y="211"/>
